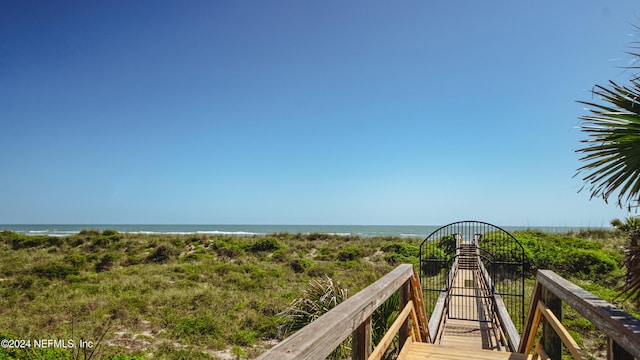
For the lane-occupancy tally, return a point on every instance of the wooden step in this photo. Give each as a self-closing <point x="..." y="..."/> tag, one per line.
<point x="421" y="351"/>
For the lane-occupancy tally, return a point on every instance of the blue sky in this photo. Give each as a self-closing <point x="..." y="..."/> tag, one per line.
<point x="303" y="112"/>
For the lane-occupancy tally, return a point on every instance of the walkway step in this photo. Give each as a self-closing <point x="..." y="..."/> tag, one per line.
<point x="422" y="351"/>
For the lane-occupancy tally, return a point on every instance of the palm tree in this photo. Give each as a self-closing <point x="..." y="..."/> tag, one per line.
<point x="612" y="155"/>
<point x="631" y="227"/>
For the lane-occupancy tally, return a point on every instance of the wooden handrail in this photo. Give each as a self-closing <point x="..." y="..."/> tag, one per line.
<point x="622" y="329"/>
<point x="318" y="339"/>
<point x="543" y="311"/>
<point x="383" y="345"/>
<point x="435" y="321"/>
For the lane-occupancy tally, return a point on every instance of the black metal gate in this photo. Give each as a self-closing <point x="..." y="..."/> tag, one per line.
<point x="470" y="262"/>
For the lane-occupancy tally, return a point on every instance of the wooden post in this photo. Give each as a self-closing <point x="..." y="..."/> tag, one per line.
<point x="405" y="296"/>
<point x="552" y="343"/>
<point x="616" y="352"/>
<point x="361" y="347"/>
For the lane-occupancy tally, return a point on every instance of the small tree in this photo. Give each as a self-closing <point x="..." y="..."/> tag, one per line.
<point x="631" y="227"/>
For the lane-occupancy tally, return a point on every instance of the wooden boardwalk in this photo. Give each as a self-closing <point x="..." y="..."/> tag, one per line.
<point x="456" y="338"/>
<point x="470" y="298"/>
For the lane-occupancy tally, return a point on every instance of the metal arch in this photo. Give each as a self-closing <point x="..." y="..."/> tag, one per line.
<point x="496" y="251"/>
<point x="469" y="221"/>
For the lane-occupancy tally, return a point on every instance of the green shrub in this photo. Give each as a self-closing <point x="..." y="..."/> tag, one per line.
<point x="244" y="337"/>
<point x="317" y="236"/>
<point x="203" y="326"/>
<point x="55" y="271"/>
<point x="300" y="265"/>
<point x="350" y="253"/>
<point x="266" y="244"/>
<point x="106" y="262"/>
<point x="6" y="236"/>
<point x="280" y="255"/>
<point x="162" y="254"/>
<point x="565" y="254"/>
<point x="177" y="242"/>
<point x="395" y="259"/>
<point x="401" y="253"/>
<point x="105" y="240"/>
<point x="22" y="241"/>
<point x="590" y="262"/>
<point x="326" y="253"/>
<point x="401" y="248"/>
<point x="110" y="232"/>
<point x="227" y="248"/>
<point x="24" y="282"/>
<point x="75" y="260"/>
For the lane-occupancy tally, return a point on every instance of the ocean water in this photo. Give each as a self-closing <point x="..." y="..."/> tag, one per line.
<point x="408" y="231"/>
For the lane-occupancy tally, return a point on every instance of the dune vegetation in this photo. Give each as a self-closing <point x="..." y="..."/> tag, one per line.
<point x="206" y="297"/>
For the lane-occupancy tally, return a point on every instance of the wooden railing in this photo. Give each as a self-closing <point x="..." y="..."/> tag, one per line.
<point x="353" y="317"/>
<point x="550" y="291"/>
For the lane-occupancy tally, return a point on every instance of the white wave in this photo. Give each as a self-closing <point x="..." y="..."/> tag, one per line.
<point x="217" y="232"/>
<point x="161" y="232"/>
<point x="411" y="235"/>
<point x="212" y="232"/>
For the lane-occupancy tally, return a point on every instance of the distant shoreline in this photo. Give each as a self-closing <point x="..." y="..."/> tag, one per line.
<point x="408" y="231"/>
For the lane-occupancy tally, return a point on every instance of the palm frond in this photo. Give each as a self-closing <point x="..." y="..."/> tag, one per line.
<point x="611" y="151"/>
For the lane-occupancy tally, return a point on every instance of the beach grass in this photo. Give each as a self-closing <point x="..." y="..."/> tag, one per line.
<point x="220" y="296"/>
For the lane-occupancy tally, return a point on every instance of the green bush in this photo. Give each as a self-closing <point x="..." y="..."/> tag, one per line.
<point x="244" y="337"/>
<point x="55" y="271"/>
<point x="203" y="326"/>
<point x="227" y="248"/>
<point x="395" y="259"/>
<point x="590" y="262"/>
<point x="110" y="232"/>
<point x="24" y="282"/>
<point x="300" y="265"/>
<point x="567" y="255"/>
<point x="401" y="253"/>
<point x="22" y="241"/>
<point x="75" y="260"/>
<point x="280" y="255"/>
<point x="106" y="262"/>
<point x="162" y="254"/>
<point x="401" y="248"/>
<point x="317" y="236"/>
<point x="105" y="240"/>
<point x="266" y="244"/>
<point x="350" y="253"/>
<point x="326" y="253"/>
<point x="177" y="242"/>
